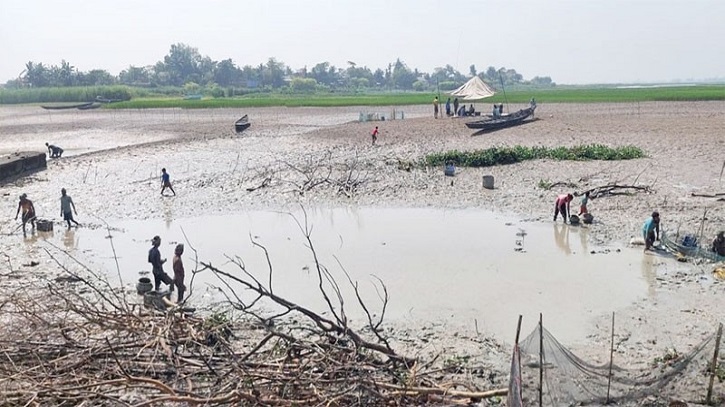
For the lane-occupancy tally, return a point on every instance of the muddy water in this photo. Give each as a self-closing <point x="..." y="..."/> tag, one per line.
<point x="467" y="266"/>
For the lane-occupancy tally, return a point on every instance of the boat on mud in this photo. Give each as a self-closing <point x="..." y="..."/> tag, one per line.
<point x="90" y="107"/>
<point x="63" y="107"/>
<point x="513" y="119"/>
<point x="242" y="124"/>
<point x="688" y="246"/>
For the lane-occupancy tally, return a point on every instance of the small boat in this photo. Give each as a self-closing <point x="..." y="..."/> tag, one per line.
<point x="89" y="107"/>
<point x="100" y="99"/>
<point x="513" y="119"/>
<point x="242" y="124"/>
<point x="62" y="107"/>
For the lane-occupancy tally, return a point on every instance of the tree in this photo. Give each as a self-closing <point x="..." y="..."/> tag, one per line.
<point x="227" y="74"/>
<point x="37" y="75"/>
<point x="472" y="70"/>
<point x="134" y="75"/>
<point x="96" y="77"/>
<point x="403" y="77"/>
<point x="273" y="73"/>
<point x="542" y="81"/>
<point x="321" y="73"/>
<point x="303" y="85"/>
<point x="181" y="65"/>
<point x="379" y="77"/>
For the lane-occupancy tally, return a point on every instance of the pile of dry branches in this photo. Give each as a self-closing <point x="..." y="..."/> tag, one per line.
<point x="85" y="343"/>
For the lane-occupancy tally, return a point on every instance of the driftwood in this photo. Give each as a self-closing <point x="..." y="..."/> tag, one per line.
<point x="715" y="195"/>
<point x="265" y="183"/>
<point x="615" y="189"/>
<point x="84" y="343"/>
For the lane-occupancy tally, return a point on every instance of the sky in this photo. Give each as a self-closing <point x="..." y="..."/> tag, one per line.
<point x="573" y="41"/>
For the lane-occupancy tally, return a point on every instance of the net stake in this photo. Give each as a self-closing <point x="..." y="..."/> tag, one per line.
<point x="713" y="366"/>
<point x="541" y="360"/>
<point x="611" y="362"/>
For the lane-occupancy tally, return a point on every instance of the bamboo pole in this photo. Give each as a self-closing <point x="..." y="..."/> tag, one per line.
<point x="713" y="366"/>
<point x="518" y="330"/>
<point x="541" y="360"/>
<point x="611" y="361"/>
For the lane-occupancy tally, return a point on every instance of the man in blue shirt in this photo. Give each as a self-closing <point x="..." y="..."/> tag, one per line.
<point x="651" y="230"/>
<point x="166" y="182"/>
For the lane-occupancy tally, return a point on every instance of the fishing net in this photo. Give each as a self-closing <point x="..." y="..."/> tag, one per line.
<point x="570" y="380"/>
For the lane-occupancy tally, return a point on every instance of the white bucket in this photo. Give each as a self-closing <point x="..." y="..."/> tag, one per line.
<point x="488" y="181"/>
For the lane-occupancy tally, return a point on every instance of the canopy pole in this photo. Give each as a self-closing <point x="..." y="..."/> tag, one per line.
<point x="503" y="88"/>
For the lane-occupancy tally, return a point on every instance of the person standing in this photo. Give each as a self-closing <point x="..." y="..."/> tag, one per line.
<point x="28" y="211"/>
<point x="651" y="230"/>
<point x="374" y="134"/>
<point x="435" y="107"/>
<point x="166" y="182"/>
<point x="158" y="265"/>
<point x="583" y="206"/>
<point x="448" y="107"/>
<point x="455" y="106"/>
<point x="178" y="267"/>
<point x="562" y="205"/>
<point x="66" y="204"/>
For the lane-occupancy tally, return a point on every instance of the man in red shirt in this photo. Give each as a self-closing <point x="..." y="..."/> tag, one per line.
<point x="375" y="134"/>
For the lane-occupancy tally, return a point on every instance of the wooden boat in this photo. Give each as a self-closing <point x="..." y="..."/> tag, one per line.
<point x="89" y="107"/>
<point x="62" y="107"/>
<point x="100" y="99"/>
<point x="242" y="124"/>
<point x="673" y="244"/>
<point x="513" y="119"/>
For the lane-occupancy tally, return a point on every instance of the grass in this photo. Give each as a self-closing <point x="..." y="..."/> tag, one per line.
<point x="510" y="155"/>
<point x="66" y="94"/>
<point x="143" y="99"/>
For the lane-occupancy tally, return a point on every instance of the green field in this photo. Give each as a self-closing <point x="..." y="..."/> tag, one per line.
<point x="561" y="94"/>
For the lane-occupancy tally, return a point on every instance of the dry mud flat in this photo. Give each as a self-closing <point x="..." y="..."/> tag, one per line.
<point x="119" y="156"/>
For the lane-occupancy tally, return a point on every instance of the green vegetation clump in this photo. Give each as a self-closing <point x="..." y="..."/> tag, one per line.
<point x="510" y="155"/>
<point x="64" y="94"/>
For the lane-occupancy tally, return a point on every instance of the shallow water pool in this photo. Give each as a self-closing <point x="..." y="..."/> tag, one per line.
<point x="464" y="267"/>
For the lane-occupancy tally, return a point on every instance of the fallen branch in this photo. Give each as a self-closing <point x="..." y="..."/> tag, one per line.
<point x="715" y="195"/>
<point x="615" y="189"/>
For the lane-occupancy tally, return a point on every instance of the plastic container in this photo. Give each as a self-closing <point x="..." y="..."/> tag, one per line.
<point x="143" y="286"/>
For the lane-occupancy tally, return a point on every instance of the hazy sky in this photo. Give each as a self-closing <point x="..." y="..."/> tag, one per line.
<point x="577" y="41"/>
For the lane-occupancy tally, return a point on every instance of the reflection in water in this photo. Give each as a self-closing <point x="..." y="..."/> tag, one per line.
<point x="649" y="274"/>
<point x="561" y="235"/>
<point x="69" y="240"/>
<point x="583" y="237"/>
<point x="168" y="213"/>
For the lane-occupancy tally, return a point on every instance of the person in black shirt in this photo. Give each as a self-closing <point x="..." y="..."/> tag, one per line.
<point x="158" y="265"/>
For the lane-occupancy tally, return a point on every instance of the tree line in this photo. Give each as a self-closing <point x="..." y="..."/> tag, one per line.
<point x="184" y="66"/>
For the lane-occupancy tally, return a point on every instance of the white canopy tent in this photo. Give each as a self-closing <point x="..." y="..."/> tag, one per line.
<point x="474" y="89"/>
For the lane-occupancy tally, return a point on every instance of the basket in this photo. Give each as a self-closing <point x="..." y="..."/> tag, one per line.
<point x="44" y="225"/>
